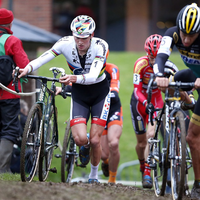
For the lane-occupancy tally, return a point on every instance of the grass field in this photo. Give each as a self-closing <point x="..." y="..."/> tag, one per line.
<point x="125" y="61"/>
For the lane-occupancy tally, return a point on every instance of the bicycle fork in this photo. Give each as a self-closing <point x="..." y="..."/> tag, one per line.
<point x="154" y="145"/>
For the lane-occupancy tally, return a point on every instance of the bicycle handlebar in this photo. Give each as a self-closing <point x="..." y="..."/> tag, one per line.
<point x="178" y="85"/>
<point x="44" y="79"/>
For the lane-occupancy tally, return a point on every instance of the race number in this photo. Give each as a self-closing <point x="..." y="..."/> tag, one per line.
<point x="136" y="79"/>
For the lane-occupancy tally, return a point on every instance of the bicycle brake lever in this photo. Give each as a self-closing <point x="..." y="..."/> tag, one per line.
<point x="15" y="79"/>
<point x="63" y="87"/>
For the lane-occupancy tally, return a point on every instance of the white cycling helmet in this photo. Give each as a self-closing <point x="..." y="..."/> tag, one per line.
<point x="82" y="26"/>
<point x="188" y="19"/>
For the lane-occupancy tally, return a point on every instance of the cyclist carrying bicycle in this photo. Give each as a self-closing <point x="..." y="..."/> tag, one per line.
<point x="185" y="36"/>
<point x="86" y="57"/>
<point x="143" y="68"/>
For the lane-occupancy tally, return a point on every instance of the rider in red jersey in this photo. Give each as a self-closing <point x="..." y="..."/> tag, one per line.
<point x="143" y="68"/>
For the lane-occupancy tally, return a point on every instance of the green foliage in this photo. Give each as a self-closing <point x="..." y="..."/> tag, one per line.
<point x="125" y="61"/>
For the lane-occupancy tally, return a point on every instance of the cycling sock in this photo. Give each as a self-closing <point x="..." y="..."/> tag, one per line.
<point x="147" y="170"/>
<point x="106" y="161"/>
<point x="94" y="172"/>
<point x="112" y="177"/>
<point x="142" y="166"/>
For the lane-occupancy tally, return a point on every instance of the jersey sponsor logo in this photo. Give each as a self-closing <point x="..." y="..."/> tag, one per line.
<point x="115" y="116"/>
<point x="136" y="79"/>
<point x="140" y="125"/>
<point x="99" y="42"/>
<point x="139" y="118"/>
<point x="106" y="108"/>
<point x="175" y="37"/>
<point x="66" y="38"/>
<point x="190" y="60"/>
<point x="140" y="65"/>
<point x="114" y="73"/>
<point x="190" y="54"/>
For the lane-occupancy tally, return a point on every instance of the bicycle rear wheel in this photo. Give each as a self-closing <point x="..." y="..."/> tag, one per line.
<point x="160" y="163"/>
<point x="31" y="144"/>
<point x="178" y="162"/>
<point x="68" y="155"/>
<point x="49" y="142"/>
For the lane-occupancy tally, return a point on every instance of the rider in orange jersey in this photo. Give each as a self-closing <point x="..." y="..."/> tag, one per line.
<point x="113" y="130"/>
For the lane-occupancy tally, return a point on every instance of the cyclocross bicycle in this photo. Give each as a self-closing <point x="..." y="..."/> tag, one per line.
<point x="40" y="136"/>
<point x="173" y="152"/>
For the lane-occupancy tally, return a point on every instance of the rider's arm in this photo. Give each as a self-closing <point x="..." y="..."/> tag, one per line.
<point x="44" y="58"/>
<point x="138" y="82"/>
<point x="164" y="51"/>
<point x="113" y="72"/>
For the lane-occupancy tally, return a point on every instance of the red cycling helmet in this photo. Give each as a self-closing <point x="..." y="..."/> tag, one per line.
<point x="152" y="44"/>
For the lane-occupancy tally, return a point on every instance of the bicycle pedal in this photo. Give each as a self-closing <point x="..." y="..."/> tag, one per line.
<point x="81" y="165"/>
<point x="152" y="166"/>
<point x="54" y="170"/>
<point x="57" y="155"/>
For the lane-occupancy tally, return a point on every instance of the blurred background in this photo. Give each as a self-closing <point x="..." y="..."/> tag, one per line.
<point x="124" y="24"/>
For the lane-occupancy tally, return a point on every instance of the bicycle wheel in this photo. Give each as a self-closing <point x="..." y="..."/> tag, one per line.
<point x="160" y="162"/>
<point x="68" y="156"/>
<point x="31" y="144"/>
<point x="178" y="161"/>
<point x="49" y="141"/>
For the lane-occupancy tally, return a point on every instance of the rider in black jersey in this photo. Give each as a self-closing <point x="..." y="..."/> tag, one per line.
<point x="185" y="36"/>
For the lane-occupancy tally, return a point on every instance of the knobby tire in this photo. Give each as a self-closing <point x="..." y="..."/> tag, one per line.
<point x="160" y="171"/>
<point x="31" y="144"/>
<point x="178" y="164"/>
<point x="48" y="139"/>
<point x="68" y="156"/>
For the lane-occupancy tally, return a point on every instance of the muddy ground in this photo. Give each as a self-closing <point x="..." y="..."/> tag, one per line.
<point x="14" y="190"/>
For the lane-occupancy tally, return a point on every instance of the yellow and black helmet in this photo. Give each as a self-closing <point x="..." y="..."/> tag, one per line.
<point x="188" y="19"/>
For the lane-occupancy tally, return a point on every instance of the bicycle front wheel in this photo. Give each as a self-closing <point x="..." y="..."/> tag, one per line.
<point x="31" y="144"/>
<point x="68" y="155"/>
<point x="160" y="163"/>
<point x="49" y="142"/>
<point x="178" y="161"/>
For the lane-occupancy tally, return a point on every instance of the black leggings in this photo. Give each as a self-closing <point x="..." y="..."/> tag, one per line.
<point x="186" y="75"/>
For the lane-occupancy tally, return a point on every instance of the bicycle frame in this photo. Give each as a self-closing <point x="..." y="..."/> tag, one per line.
<point x="46" y="137"/>
<point x="46" y="103"/>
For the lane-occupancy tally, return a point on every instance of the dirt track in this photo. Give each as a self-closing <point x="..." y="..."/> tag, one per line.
<point x="74" y="191"/>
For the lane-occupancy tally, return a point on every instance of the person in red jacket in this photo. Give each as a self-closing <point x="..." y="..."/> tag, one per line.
<point x="9" y="103"/>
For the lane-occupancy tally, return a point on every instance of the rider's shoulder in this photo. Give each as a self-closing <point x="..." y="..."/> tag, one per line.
<point x="65" y="39"/>
<point x="171" y="31"/>
<point x="99" y="42"/>
<point x="142" y="61"/>
<point x="141" y="64"/>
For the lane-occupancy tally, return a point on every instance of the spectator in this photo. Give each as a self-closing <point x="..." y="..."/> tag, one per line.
<point x="9" y="103"/>
<point x="15" y="161"/>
